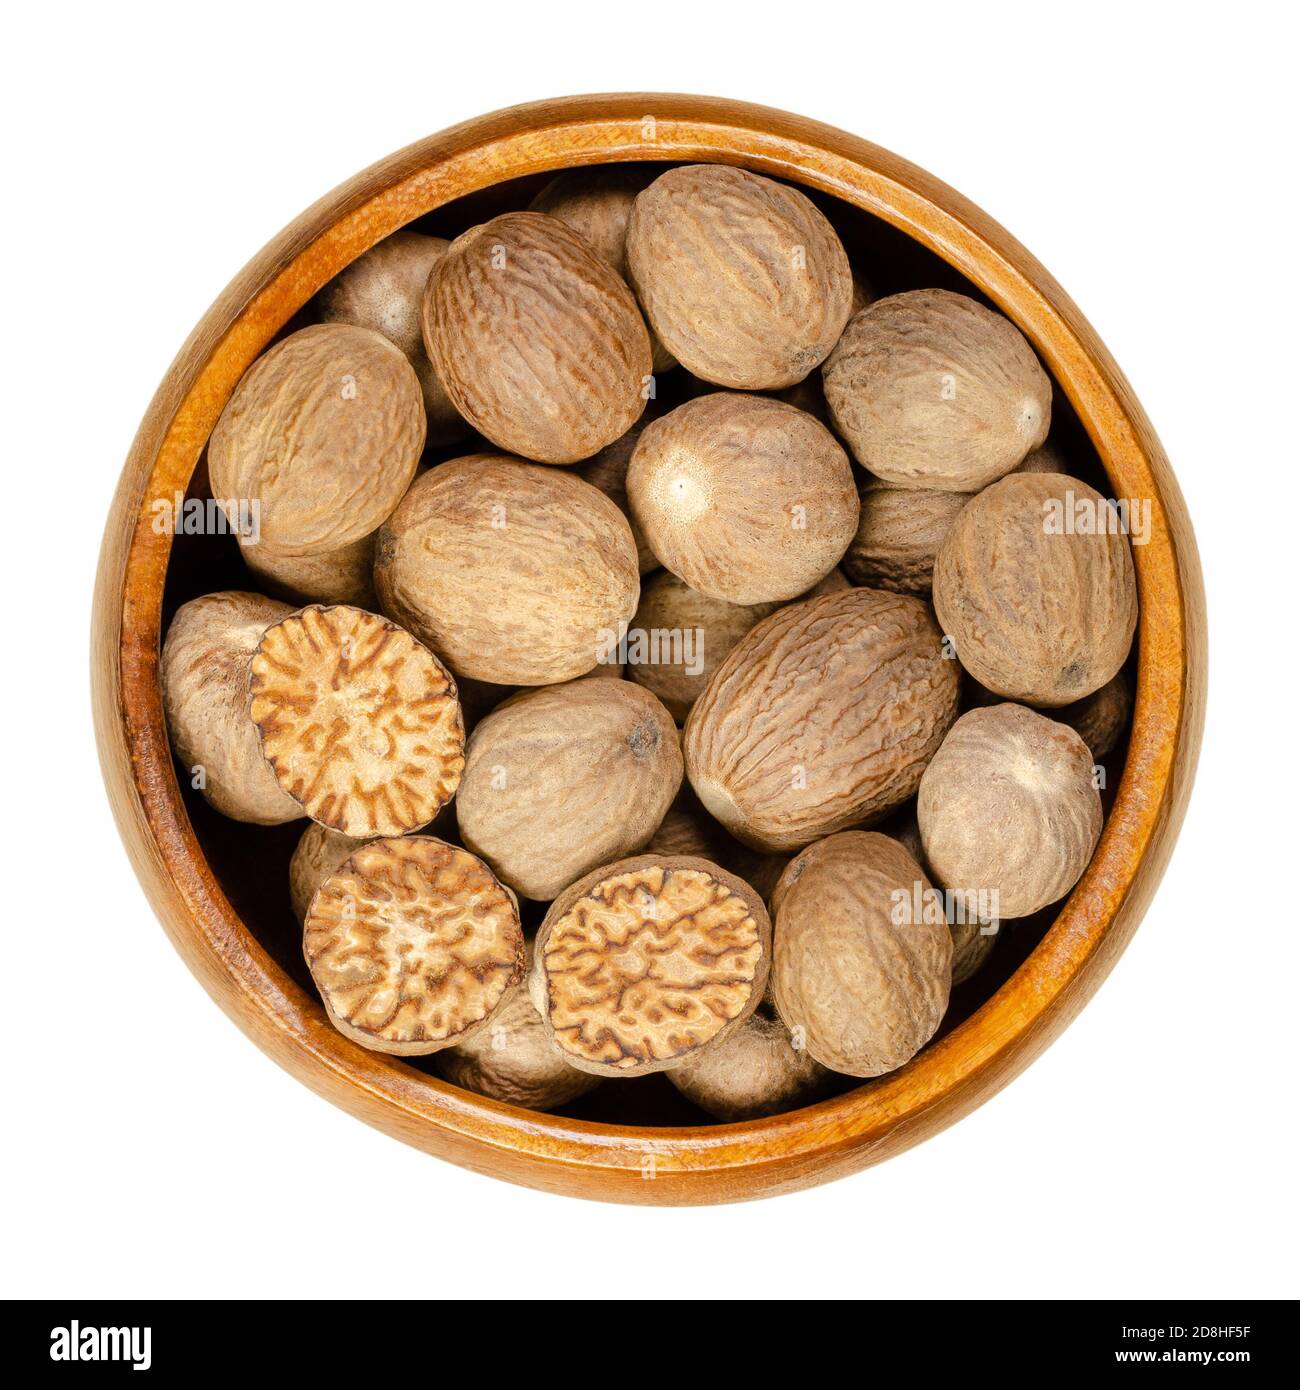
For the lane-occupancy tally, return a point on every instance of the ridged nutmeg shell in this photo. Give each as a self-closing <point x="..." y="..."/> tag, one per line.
<point x="743" y="497"/>
<point x="539" y="343"/>
<point x="643" y="962"/>
<point x="1009" y="805"/>
<point x="899" y="533"/>
<point x="855" y="977"/>
<point x="931" y="389"/>
<point x="323" y="435"/>
<point x="821" y="717"/>
<point x="560" y="780"/>
<point x="1035" y="586"/>
<point x="510" y="572"/>
<point x="742" y="278"/>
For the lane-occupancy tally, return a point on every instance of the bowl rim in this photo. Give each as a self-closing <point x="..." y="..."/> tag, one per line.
<point x="708" y="1163"/>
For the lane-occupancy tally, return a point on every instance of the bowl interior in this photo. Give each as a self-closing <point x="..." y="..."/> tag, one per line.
<point x="251" y="862"/>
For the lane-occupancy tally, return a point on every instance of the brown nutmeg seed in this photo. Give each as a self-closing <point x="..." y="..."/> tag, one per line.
<point x="322" y="435"/>
<point x="742" y="278"/>
<point x="513" y="573"/>
<point x="643" y="962"/>
<point x="744" y="498"/>
<point x="900" y="531"/>
<point x="560" y="780"/>
<point x="574" y="378"/>
<point x="413" y="944"/>
<point x="1009" y="806"/>
<point x="1040" y="607"/>
<point x="821" y="717"/>
<point x="933" y="390"/>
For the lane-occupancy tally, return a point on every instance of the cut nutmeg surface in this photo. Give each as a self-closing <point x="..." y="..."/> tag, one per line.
<point x="359" y="722"/>
<point x="742" y="278"/>
<point x="931" y="389"/>
<point x="1009" y="807"/>
<point x="512" y="572"/>
<point x="643" y="962"/>
<point x="1040" y="607"/>
<point x="322" y="436"/>
<point x="540" y="344"/>
<point x="743" y="497"/>
<point x="413" y="944"/>
<point x="821" y="717"/>
<point x="859" y="981"/>
<point x="558" y="781"/>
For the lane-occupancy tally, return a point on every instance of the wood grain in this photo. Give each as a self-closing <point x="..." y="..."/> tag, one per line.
<point x="680" y="1165"/>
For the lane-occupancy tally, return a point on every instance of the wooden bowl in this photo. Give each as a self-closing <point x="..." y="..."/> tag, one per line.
<point x="207" y="888"/>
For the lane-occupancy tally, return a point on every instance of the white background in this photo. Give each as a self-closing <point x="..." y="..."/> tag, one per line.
<point x="1143" y="154"/>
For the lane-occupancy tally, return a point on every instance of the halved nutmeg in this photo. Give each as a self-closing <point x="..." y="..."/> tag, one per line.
<point x="360" y="723"/>
<point x="643" y="962"/>
<point x="413" y="944"/>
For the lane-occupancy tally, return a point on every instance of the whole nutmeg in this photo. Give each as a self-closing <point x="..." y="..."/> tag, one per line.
<point x="1040" y="608"/>
<point x="345" y="575"/>
<point x="359" y="722"/>
<point x="540" y="344"/>
<point x="756" y="1071"/>
<point x="855" y="977"/>
<point x="1047" y="458"/>
<point x="204" y="670"/>
<point x="511" y="572"/>
<point x="743" y="279"/>
<point x="319" y="852"/>
<point x="607" y="470"/>
<point x="679" y="638"/>
<point x="560" y="780"/>
<point x="643" y="962"/>
<point x="513" y="1060"/>
<point x="684" y="830"/>
<point x="1100" y="718"/>
<point x="413" y="945"/>
<point x="821" y="717"/>
<point x="1008" y="806"/>
<point x="322" y="436"/>
<point x="383" y="289"/>
<point x="933" y="390"/>
<point x="900" y="531"/>
<point x="743" y="497"/>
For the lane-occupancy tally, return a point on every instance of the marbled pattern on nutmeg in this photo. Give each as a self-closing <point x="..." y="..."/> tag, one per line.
<point x="931" y="389"/>
<point x="821" y="717"/>
<point x="861" y="982"/>
<point x="539" y="343"/>
<point x="743" y="279"/>
<point x="1038" y="597"/>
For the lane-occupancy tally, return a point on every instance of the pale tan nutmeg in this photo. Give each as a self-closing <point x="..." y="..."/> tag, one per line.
<point x="560" y="780"/>
<point x="204" y="671"/>
<point x="1047" y="458"/>
<point x="821" y="717"/>
<point x="333" y="576"/>
<point x="413" y="945"/>
<point x="513" y="573"/>
<point x="860" y="982"/>
<point x="540" y="344"/>
<point x="322" y="435"/>
<point x="383" y="289"/>
<point x="1039" y="610"/>
<point x="607" y="470"/>
<point x="678" y="639"/>
<point x="743" y="497"/>
<point x="900" y="531"/>
<point x="757" y="1071"/>
<point x="743" y="279"/>
<point x="513" y="1060"/>
<point x="1009" y="806"/>
<point x="319" y="852"/>
<point x="359" y="722"/>
<point x="645" y="961"/>
<point x="933" y="390"/>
